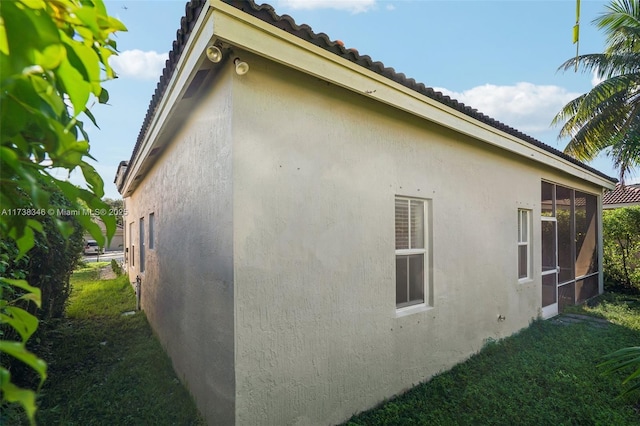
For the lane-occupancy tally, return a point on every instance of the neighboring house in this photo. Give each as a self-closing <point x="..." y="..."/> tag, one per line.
<point x="318" y="233"/>
<point x="117" y="241"/>
<point x="622" y="196"/>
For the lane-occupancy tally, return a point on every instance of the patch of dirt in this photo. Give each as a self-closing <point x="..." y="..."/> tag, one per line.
<point x="568" y="319"/>
<point x="106" y="273"/>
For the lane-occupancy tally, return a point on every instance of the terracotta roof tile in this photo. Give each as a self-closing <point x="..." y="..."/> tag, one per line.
<point x="629" y="194"/>
<point x="267" y="14"/>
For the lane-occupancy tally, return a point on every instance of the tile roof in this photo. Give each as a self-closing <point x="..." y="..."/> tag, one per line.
<point x="267" y="14"/>
<point x="629" y="194"/>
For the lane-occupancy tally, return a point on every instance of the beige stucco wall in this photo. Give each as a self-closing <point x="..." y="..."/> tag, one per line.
<point x="272" y="282"/>
<point x="315" y="171"/>
<point x="187" y="286"/>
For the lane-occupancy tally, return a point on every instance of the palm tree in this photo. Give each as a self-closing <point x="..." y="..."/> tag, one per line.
<point x="607" y="118"/>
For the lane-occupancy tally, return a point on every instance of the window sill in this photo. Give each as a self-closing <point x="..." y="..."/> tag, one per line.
<point x="413" y="309"/>
<point x="525" y="280"/>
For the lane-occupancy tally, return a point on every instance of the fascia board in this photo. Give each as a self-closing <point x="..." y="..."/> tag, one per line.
<point x="187" y="65"/>
<point x="252" y="34"/>
<point x="619" y="205"/>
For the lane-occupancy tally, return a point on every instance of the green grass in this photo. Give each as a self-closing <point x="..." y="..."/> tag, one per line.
<point x="106" y="368"/>
<point x="621" y="309"/>
<point x="109" y="369"/>
<point x="544" y="375"/>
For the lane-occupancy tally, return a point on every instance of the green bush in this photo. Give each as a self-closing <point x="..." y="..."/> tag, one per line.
<point x="621" y="234"/>
<point x="50" y="263"/>
<point x="116" y="267"/>
<point x="47" y="267"/>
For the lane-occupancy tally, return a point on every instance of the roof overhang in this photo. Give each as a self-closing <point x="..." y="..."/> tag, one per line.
<point x="157" y="130"/>
<point x="221" y="22"/>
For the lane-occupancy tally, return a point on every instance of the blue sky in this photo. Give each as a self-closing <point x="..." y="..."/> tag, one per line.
<point x="499" y="57"/>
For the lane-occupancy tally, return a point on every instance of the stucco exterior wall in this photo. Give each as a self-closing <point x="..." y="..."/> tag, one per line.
<point x="315" y="171"/>
<point x="187" y="285"/>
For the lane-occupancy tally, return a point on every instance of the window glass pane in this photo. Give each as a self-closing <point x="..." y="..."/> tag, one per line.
<point x="523" y="226"/>
<point x="151" y="230"/>
<point x="586" y="230"/>
<point x="131" y="247"/>
<point x="564" y="206"/>
<point x="402" y="295"/>
<point x="141" y="244"/>
<point x="546" y="201"/>
<point x="402" y="224"/>
<point x="416" y="278"/>
<point x="548" y="245"/>
<point x="417" y="224"/>
<point x="523" y="261"/>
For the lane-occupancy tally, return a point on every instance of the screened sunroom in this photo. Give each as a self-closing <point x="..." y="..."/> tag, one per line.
<point x="570" y="254"/>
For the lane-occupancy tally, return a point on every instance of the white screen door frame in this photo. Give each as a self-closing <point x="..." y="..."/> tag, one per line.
<point x="550" y="268"/>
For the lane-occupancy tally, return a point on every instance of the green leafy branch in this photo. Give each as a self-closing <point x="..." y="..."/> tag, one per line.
<point x="53" y="60"/>
<point x="622" y="359"/>
<point x="24" y="324"/>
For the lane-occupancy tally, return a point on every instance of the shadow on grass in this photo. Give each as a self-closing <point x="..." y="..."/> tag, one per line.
<point x="546" y="374"/>
<point x="107" y="368"/>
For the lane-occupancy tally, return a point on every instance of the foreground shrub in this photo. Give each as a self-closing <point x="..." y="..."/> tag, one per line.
<point x="621" y="234"/>
<point x="47" y="269"/>
<point x="50" y="263"/>
<point x="116" y="267"/>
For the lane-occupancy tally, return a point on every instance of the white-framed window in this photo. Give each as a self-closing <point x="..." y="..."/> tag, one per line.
<point x="411" y="251"/>
<point x="524" y="244"/>
<point x="141" y="244"/>
<point x="132" y="246"/>
<point x="152" y="220"/>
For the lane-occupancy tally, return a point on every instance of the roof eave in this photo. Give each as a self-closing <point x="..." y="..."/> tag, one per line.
<point x="248" y="32"/>
<point x="258" y="29"/>
<point x="181" y="67"/>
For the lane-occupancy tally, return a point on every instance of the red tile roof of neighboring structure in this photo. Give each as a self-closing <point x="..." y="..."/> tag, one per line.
<point x="629" y="194"/>
<point x="267" y="14"/>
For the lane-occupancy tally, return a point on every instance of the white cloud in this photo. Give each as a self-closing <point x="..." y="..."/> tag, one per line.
<point x="524" y="106"/>
<point x="353" y="6"/>
<point x="138" y="64"/>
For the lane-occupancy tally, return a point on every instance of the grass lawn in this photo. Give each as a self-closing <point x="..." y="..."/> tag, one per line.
<point x="106" y="368"/>
<point x="544" y="375"/>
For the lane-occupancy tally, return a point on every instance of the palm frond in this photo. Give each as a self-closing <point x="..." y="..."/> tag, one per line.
<point x="607" y="117"/>
<point x="605" y="65"/>
<point x="625" y="153"/>
<point x="619" y="13"/>
<point x="623" y="359"/>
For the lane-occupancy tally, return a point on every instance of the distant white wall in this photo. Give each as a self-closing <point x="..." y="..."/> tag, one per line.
<point x="187" y="285"/>
<point x="315" y="171"/>
<point x="116" y="243"/>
